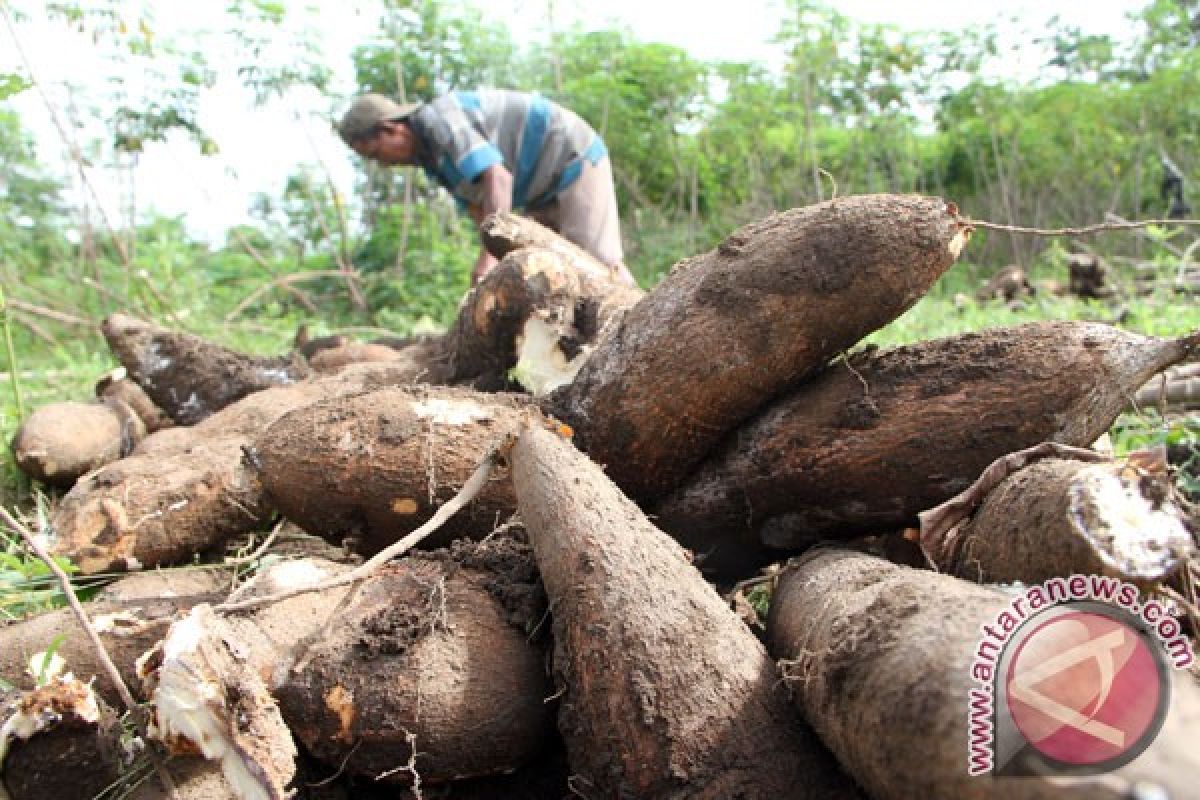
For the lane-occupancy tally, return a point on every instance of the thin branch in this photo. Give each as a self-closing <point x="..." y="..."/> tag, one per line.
<point x="70" y="144"/>
<point x="11" y="353"/>
<point x="1086" y="230"/>
<point x="465" y="495"/>
<point x="282" y="282"/>
<point x="49" y="313"/>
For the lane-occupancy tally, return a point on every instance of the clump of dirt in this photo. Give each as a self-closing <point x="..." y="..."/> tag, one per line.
<point x="417" y="610"/>
<point x="508" y="572"/>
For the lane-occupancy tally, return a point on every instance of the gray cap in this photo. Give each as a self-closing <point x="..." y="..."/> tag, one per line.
<point x="367" y="111"/>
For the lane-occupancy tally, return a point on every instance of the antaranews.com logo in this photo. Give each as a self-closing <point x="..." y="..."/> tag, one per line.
<point x="1073" y="679"/>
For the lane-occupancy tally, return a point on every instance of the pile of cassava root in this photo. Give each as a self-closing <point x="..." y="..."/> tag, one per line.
<point x="584" y="469"/>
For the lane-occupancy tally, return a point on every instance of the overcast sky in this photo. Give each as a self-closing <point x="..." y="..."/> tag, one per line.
<point x="259" y="148"/>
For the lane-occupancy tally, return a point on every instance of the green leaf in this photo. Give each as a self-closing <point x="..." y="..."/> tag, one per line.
<point x="12" y="83"/>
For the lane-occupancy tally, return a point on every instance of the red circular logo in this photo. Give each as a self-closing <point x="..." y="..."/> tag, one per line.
<point x="1085" y="688"/>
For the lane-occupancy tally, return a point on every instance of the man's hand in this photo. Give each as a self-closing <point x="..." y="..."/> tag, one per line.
<point x="483" y="265"/>
<point x="497" y="196"/>
<point x="497" y="185"/>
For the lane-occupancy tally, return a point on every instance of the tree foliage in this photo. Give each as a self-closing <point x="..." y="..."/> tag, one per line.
<point x="843" y="107"/>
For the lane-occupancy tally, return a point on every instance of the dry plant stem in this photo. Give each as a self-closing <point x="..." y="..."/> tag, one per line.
<point x="284" y="282"/>
<point x="1100" y="227"/>
<point x="13" y="374"/>
<point x="49" y="313"/>
<point x="471" y="488"/>
<point x="114" y="674"/>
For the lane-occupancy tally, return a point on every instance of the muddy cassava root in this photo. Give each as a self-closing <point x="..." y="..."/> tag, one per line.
<point x="868" y="444"/>
<point x="373" y="466"/>
<point x="1060" y="517"/>
<point x="871" y="648"/>
<point x="665" y="692"/>
<point x="727" y="330"/>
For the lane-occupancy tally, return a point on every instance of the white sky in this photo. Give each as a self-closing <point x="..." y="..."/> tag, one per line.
<point x="259" y="148"/>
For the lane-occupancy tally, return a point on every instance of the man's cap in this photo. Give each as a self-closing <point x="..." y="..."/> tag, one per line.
<point x="367" y="111"/>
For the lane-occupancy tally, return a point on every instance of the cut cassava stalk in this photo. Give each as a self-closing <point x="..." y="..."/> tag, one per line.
<point x="533" y="284"/>
<point x="665" y="692"/>
<point x="187" y="376"/>
<point x="1178" y="389"/>
<point x="871" y="649"/>
<point x="1059" y="517"/>
<point x="727" y="330"/>
<point x="59" y="741"/>
<point x="428" y="675"/>
<point x="59" y="442"/>
<point x="868" y="444"/>
<point x="376" y="465"/>
<point x="130" y="615"/>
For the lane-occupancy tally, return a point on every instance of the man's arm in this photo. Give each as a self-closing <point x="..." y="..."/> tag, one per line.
<point x="496" y="182"/>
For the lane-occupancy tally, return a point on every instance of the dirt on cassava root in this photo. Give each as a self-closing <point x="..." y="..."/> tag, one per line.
<point x="664" y="691"/>
<point x="871" y="442"/>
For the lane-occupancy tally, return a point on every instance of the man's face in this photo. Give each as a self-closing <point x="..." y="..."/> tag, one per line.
<point x="393" y="143"/>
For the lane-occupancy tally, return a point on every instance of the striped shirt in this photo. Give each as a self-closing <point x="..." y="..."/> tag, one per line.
<point x="541" y="143"/>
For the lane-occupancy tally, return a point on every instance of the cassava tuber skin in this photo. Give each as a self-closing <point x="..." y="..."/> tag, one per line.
<point x="159" y="509"/>
<point x="430" y="661"/>
<point x="665" y="692"/>
<point x="505" y="232"/>
<point x="59" y="741"/>
<point x="377" y="465"/>
<point x="187" y="376"/>
<point x="873" y="649"/>
<point x="416" y="360"/>
<point x="194" y="778"/>
<point x="1060" y="517"/>
<point x="130" y="614"/>
<point x="727" y="330"/>
<point x="868" y="444"/>
<point x="185" y="489"/>
<point x="117" y="386"/>
<point x="532" y="282"/>
<point x="59" y="442"/>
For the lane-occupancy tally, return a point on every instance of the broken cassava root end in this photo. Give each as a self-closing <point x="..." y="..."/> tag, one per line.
<point x="1060" y="517"/>
<point x="59" y="442"/>
<point x="188" y="377"/>
<point x="59" y="741"/>
<point x="207" y="699"/>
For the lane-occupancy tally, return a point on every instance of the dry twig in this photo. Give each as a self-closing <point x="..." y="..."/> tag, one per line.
<point x="1085" y="230"/>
